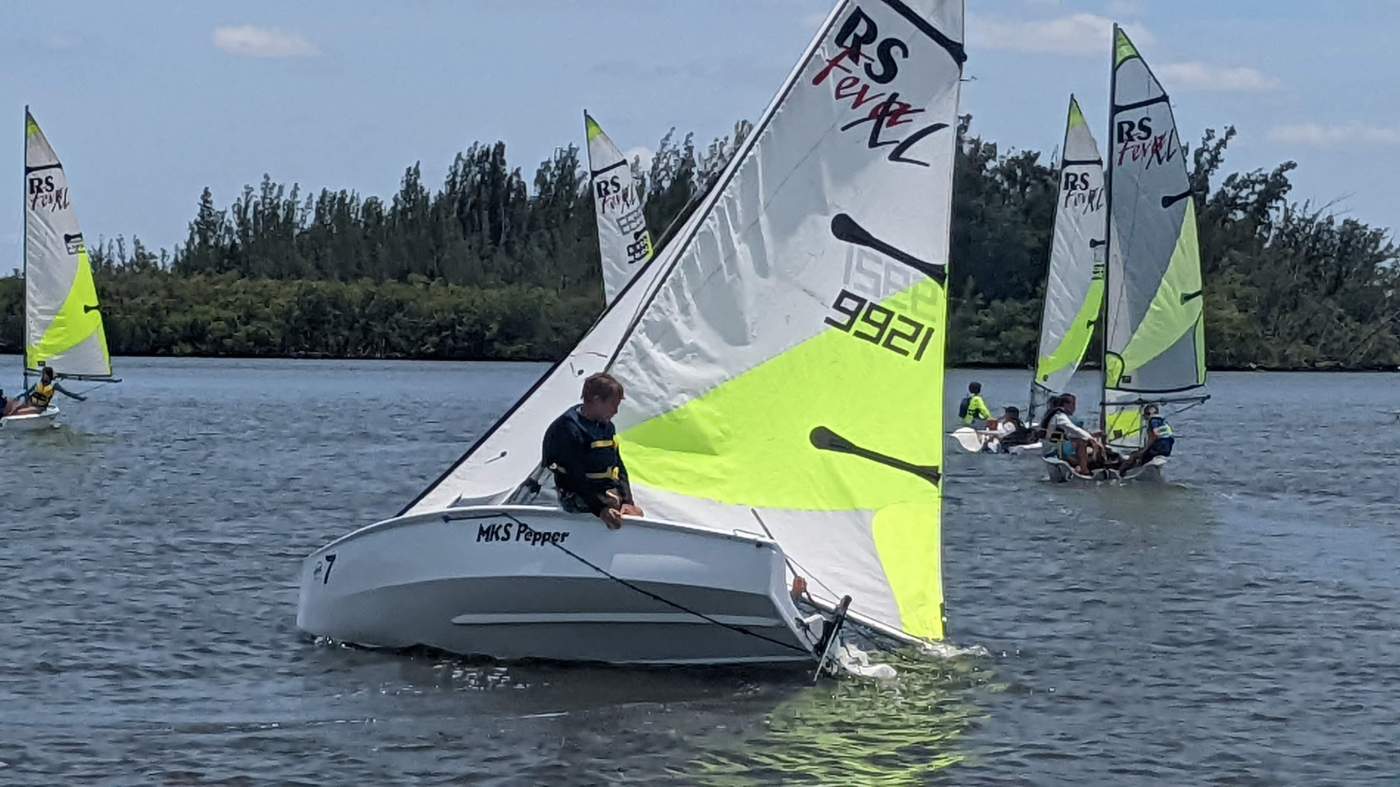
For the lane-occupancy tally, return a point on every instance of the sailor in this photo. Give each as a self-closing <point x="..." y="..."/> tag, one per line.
<point x="1012" y="431"/>
<point x="972" y="409"/>
<point x="1159" y="437"/>
<point x="1068" y="441"/>
<point x="580" y="448"/>
<point x="40" y="394"/>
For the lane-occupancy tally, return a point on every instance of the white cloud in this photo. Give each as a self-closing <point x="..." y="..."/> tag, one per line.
<point x="1335" y="135"/>
<point x="1224" y="79"/>
<point x="252" y="41"/>
<point x="1087" y="35"/>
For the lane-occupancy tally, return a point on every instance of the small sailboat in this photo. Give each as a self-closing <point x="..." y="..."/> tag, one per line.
<point x="62" y="321"/>
<point x="1154" y="324"/>
<point x="783" y="359"/>
<point x="1074" y="277"/>
<point x="623" y="241"/>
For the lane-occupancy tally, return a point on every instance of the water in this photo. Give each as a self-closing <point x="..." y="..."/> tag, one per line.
<point x="1241" y="626"/>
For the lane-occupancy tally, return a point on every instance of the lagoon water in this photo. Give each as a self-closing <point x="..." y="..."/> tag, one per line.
<point x="1238" y="626"/>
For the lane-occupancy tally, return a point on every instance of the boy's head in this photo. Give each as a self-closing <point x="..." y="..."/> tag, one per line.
<point x="974" y="388"/>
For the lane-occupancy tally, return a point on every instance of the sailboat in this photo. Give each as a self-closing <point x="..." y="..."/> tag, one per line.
<point x="624" y="244"/>
<point x="783" y="360"/>
<point x="62" y="322"/>
<point x="1154" y="324"/>
<point x="1073" y="278"/>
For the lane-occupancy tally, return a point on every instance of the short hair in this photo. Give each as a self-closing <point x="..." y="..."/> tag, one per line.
<point x="1014" y="411"/>
<point x="601" y="386"/>
<point x="974" y="388"/>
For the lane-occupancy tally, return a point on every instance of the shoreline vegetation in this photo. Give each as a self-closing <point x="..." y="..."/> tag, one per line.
<point x="489" y="268"/>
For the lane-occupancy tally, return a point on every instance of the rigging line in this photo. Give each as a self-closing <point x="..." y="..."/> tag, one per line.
<point x="792" y="562"/>
<point x="666" y="601"/>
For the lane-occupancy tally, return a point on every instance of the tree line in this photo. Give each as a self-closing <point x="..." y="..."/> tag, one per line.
<point x="489" y="265"/>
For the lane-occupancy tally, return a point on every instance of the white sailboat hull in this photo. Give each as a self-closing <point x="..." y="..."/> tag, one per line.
<point x="1060" y="471"/>
<point x="515" y="582"/>
<point x="30" y="422"/>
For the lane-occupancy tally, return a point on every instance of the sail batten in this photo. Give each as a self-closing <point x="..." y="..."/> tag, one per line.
<point x="1154" y="334"/>
<point x="62" y="320"/>
<point x="1074" y="276"/>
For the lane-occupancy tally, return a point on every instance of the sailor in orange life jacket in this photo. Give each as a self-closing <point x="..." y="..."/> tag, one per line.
<point x="581" y="448"/>
<point x="39" y="395"/>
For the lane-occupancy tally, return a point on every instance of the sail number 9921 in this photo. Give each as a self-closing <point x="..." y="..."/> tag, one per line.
<point x="881" y="326"/>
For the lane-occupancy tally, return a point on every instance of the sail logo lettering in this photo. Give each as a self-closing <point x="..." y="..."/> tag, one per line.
<point x="1137" y="143"/>
<point x="505" y="532"/>
<point x="1080" y="194"/>
<point x="857" y="77"/>
<point x="74" y="243"/>
<point x="45" y="195"/>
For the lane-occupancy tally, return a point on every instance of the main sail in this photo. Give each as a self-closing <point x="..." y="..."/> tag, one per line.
<point x="62" y="324"/>
<point x="1155" y="333"/>
<point x="1074" y="280"/>
<point x="623" y="241"/>
<point x="786" y="372"/>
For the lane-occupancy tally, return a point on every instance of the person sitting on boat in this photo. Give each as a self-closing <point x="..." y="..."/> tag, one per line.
<point x="40" y="394"/>
<point x="1069" y="441"/>
<point x="580" y="447"/>
<point x="1012" y="431"/>
<point x="972" y="409"/>
<point x="1159" y="437"/>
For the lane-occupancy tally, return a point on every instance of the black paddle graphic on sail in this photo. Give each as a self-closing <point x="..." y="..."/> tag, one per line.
<point x="827" y="440"/>
<point x="845" y="228"/>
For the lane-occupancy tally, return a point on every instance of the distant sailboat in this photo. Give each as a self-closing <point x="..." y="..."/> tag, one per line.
<point x="62" y="322"/>
<point x="1154" y="324"/>
<point x="1074" y="277"/>
<point x="623" y="241"/>
<point x="783" y="359"/>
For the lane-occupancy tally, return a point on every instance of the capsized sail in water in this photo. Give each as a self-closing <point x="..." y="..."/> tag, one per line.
<point x="62" y="321"/>
<point x="783" y="359"/>
<point x="623" y="241"/>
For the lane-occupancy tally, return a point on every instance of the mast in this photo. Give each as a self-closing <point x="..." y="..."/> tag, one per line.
<point x="24" y="245"/>
<point x="1107" y="233"/>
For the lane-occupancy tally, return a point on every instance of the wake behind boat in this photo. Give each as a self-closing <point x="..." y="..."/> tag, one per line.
<point x="756" y="428"/>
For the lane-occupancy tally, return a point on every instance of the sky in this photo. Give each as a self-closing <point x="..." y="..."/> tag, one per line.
<point x="147" y="103"/>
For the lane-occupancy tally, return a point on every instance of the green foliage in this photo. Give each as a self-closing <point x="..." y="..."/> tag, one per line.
<point x="485" y="267"/>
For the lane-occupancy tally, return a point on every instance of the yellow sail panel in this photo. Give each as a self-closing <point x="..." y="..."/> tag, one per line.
<point x="749" y="443"/>
<point x="75" y="330"/>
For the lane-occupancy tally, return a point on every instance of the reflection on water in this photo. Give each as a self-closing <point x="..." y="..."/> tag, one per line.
<point x="1238" y="626"/>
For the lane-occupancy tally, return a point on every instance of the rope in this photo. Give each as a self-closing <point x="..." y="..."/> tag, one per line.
<point x="666" y="601"/>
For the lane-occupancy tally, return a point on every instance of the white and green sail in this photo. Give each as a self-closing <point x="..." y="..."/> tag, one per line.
<point x="786" y="374"/>
<point x="63" y="327"/>
<point x="623" y="241"/>
<point x="783" y="357"/>
<point x="1155" y="331"/>
<point x="1074" y="279"/>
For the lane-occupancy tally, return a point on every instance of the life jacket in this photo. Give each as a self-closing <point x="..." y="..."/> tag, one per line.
<point x="966" y="409"/>
<point x="1163" y="431"/>
<point x="41" y="395"/>
<point x="595" y="461"/>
